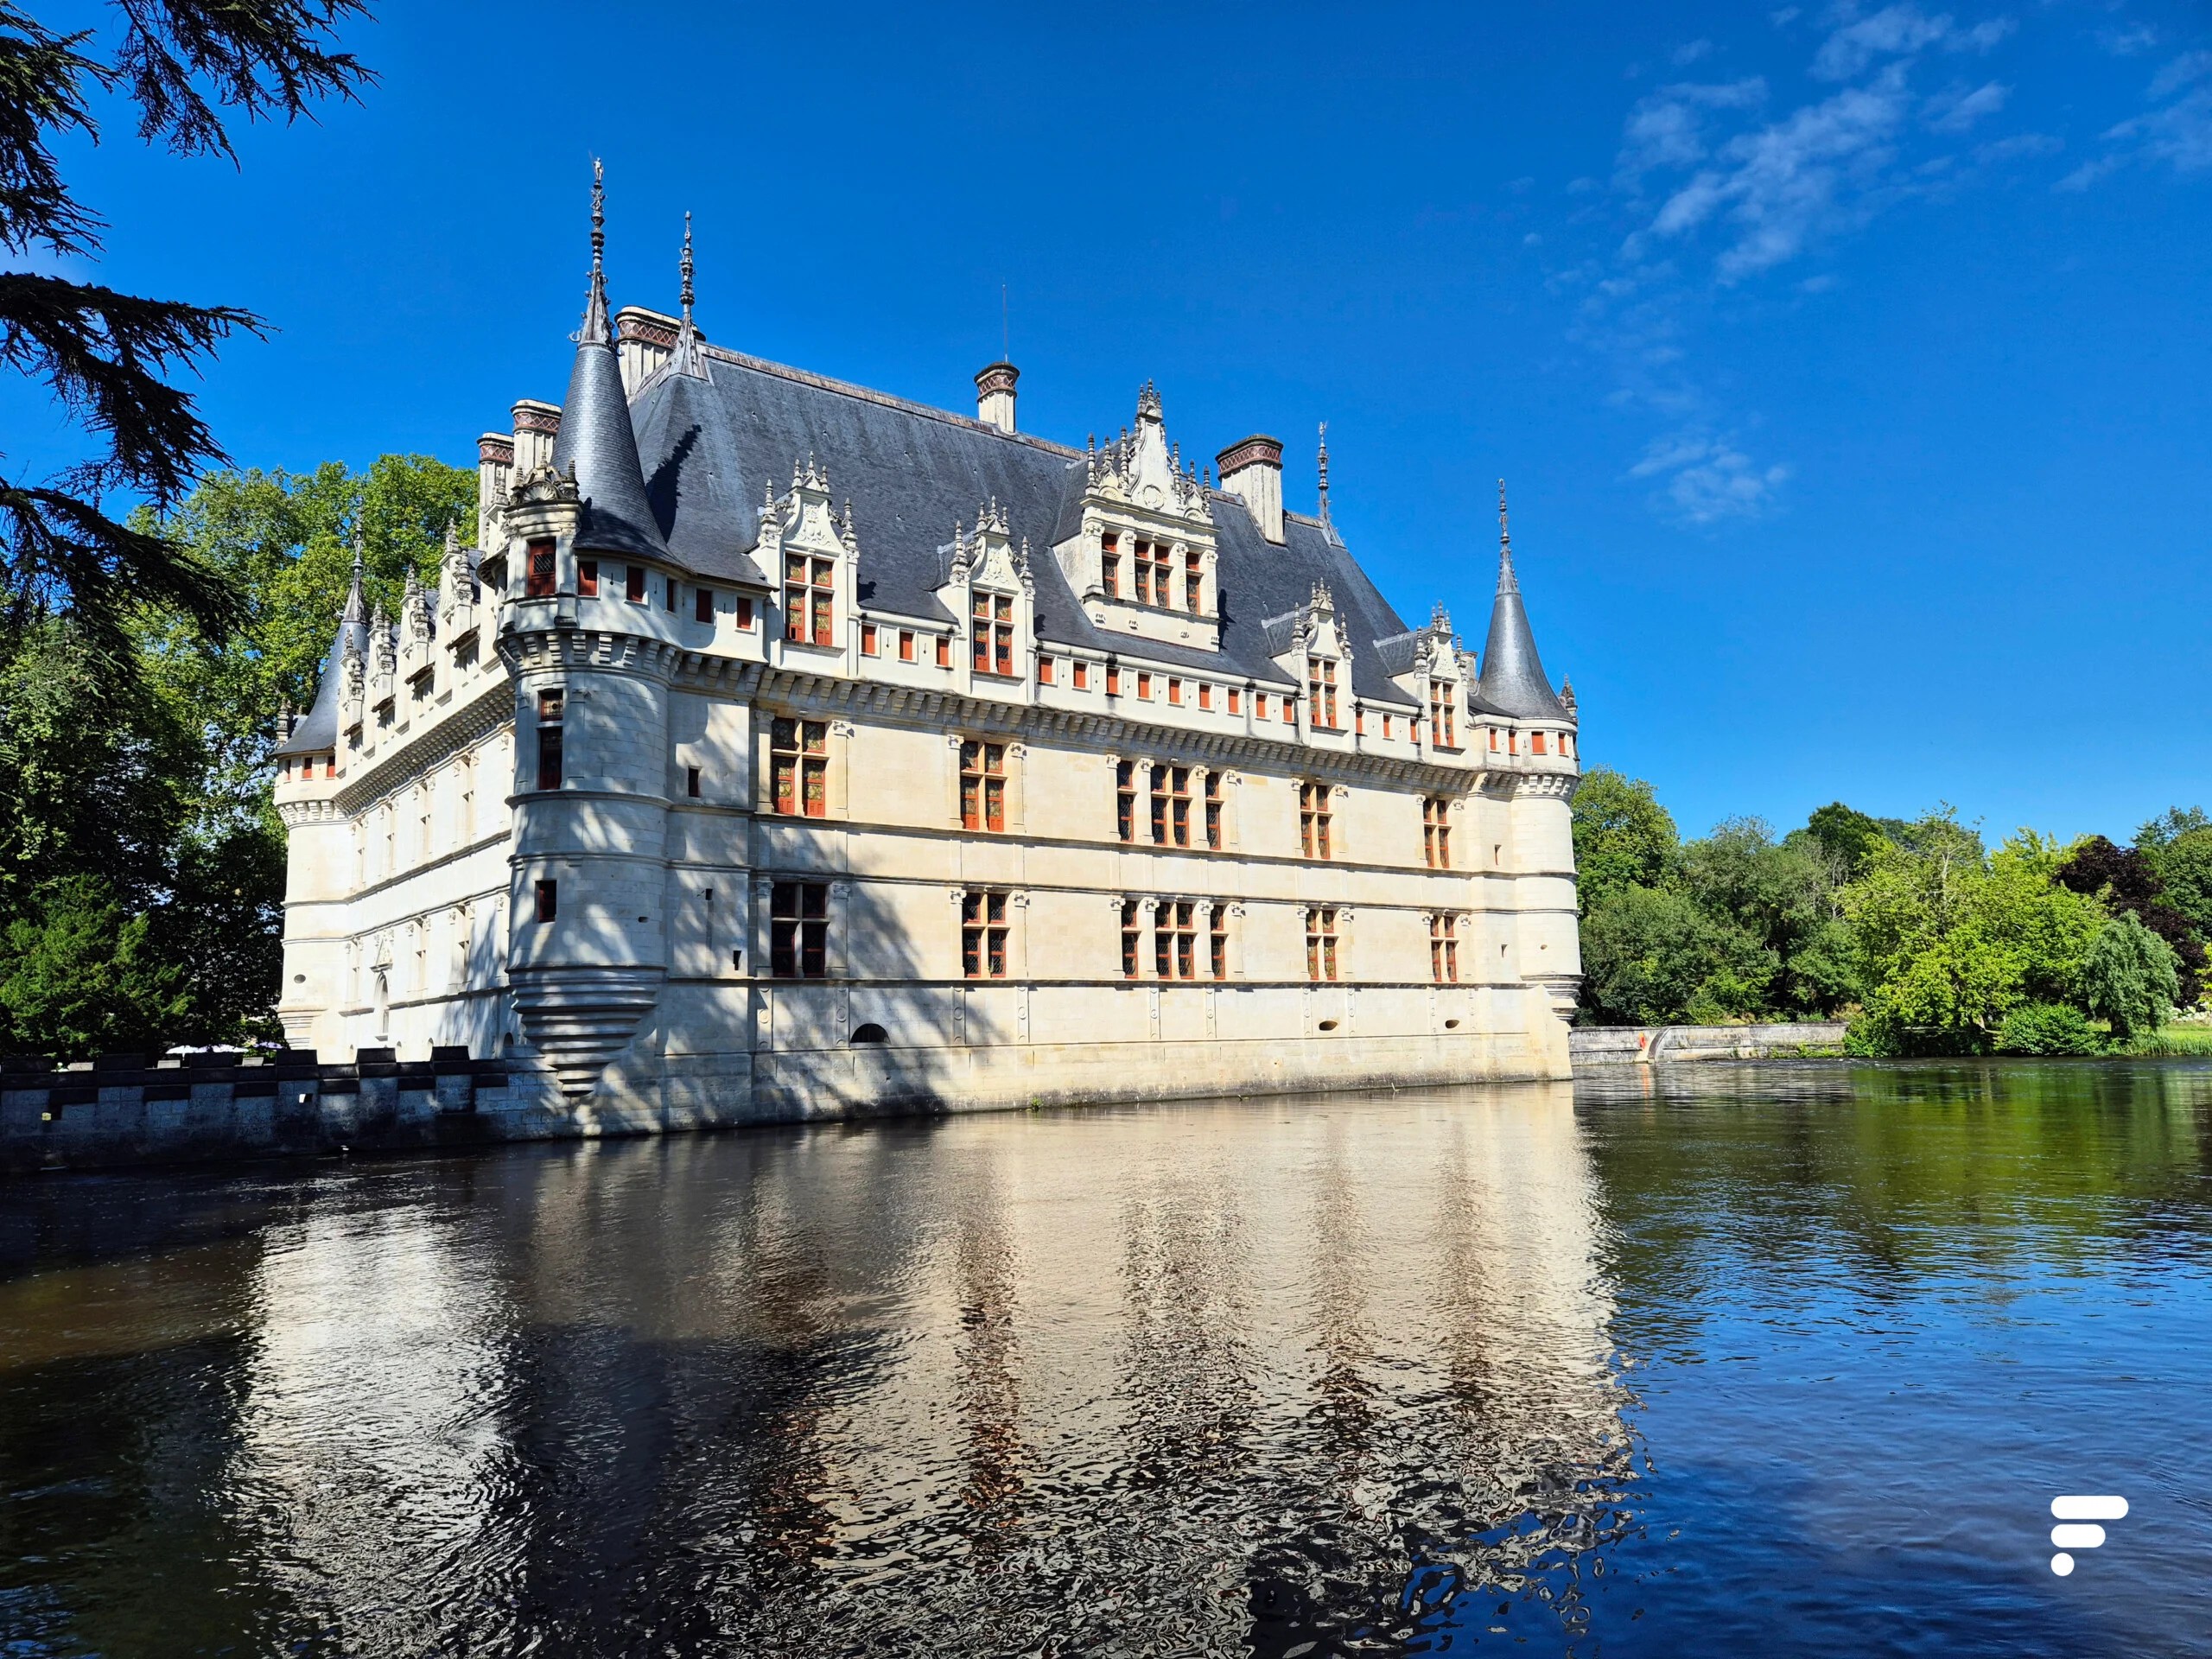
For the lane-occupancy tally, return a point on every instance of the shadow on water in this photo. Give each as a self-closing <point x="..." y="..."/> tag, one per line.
<point x="1714" y="1359"/>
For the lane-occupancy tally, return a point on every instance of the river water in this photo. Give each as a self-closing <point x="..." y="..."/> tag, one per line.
<point x="1758" y="1359"/>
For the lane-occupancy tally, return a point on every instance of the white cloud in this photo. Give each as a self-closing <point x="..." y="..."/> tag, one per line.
<point x="1956" y="109"/>
<point x="2178" y="134"/>
<point x="2126" y="42"/>
<point x="1782" y="184"/>
<point x="1899" y="32"/>
<point x="1686" y="55"/>
<point x="1667" y="129"/>
<point x="1705" y="481"/>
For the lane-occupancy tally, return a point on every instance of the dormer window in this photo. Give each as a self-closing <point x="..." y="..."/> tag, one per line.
<point x="994" y="634"/>
<point x="808" y="586"/>
<point x="1194" y="583"/>
<point x="1321" y="692"/>
<point x="1442" y="730"/>
<point x="1153" y="574"/>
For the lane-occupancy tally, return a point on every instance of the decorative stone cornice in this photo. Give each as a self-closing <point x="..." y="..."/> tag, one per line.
<point x="490" y="710"/>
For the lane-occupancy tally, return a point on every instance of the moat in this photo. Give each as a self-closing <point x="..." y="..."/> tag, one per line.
<point x="1718" y="1358"/>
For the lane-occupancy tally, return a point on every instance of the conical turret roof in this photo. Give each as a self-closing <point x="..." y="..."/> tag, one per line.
<point x="1513" y="680"/>
<point x="316" y="731"/>
<point x="597" y="441"/>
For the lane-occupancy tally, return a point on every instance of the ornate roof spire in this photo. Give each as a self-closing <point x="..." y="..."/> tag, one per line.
<point x="1506" y="583"/>
<point x="685" y="358"/>
<point x="1328" y="528"/>
<point x="354" y="610"/>
<point x="597" y="446"/>
<point x="594" y="330"/>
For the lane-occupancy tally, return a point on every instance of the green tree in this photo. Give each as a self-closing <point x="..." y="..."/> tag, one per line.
<point x="106" y="358"/>
<point x="80" y="976"/>
<point x="1845" y="839"/>
<point x="2178" y="846"/>
<point x="1623" y="836"/>
<point x="2129" y="979"/>
<point x="1951" y="941"/>
<point x="1651" y="956"/>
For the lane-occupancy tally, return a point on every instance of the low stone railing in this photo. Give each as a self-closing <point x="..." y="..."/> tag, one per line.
<point x="121" y="1109"/>
<point x="1642" y="1045"/>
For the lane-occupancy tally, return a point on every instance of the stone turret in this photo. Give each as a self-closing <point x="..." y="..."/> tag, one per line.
<point x="588" y="943"/>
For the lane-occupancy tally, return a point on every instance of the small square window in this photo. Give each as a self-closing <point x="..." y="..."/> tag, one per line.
<point x="745" y="614"/>
<point x="1144" y="687"/>
<point x="691" y="782"/>
<point x="703" y="605"/>
<point x="538" y="573"/>
<point x="1206" y="694"/>
<point x="633" y="587"/>
<point x="1174" y="689"/>
<point x="1083" y="677"/>
<point x="1043" y="670"/>
<point x="669" y="603"/>
<point x="549" y="901"/>
<point x="588" y="578"/>
<point x="867" y="639"/>
<point x="943" y="651"/>
<point x="905" y="645"/>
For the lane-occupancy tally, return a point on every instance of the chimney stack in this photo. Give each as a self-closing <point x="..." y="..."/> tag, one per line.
<point x="495" y="474"/>
<point x="1252" y="472"/>
<point x="536" y="427"/>
<point x="642" y="340"/>
<point x="994" y="396"/>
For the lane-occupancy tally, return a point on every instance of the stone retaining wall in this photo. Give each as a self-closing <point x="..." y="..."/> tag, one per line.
<point x="1641" y="1044"/>
<point x="119" y="1110"/>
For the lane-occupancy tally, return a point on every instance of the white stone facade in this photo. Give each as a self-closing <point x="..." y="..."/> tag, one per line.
<point x="980" y="826"/>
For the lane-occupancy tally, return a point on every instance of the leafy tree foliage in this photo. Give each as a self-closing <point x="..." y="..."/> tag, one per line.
<point x="1623" y="836"/>
<point x="153" y="785"/>
<point x="107" y="358"/>
<point x="2129" y="978"/>
<point x="80" y="976"/>
<point x="2178" y="846"/>
<point x="2049" y="1028"/>
<point x="2128" y="880"/>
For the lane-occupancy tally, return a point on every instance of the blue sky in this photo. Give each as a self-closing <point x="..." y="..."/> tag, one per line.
<point x="1848" y="364"/>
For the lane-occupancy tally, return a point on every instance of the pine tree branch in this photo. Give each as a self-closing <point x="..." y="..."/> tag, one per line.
<point x="58" y="553"/>
<point x="103" y="354"/>
<point x="265" y="57"/>
<point x="42" y="77"/>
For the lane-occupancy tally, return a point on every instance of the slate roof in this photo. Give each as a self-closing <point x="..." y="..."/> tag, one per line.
<point x="712" y="450"/>
<point x="1513" y="678"/>
<point x="316" y="731"/>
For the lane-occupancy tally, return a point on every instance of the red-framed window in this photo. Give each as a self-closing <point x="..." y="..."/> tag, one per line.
<point x="537" y="571"/>
<point x="1444" y="948"/>
<point x="588" y="578"/>
<point x="991" y="632"/>
<point x="1321" y="945"/>
<point x="809" y="609"/>
<point x="982" y="934"/>
<point x="1175" y="939"/>
<point x="1170" y="806"/>
<point x="798" y="766"/>
<point x="1313" y="820"/>
<point x="983" y="785"/>
<point x="1321" y="693"/>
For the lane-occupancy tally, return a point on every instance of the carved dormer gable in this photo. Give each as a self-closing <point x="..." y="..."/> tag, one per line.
<point x="987" y="583"/>
<point x="456" y="580"/>
<point x="814" y="553"/>
<point x="383" y="653"/>
<point x="1309" y="643"/>
<point x="1143" y="560"/>
<point x="416" y="625"/>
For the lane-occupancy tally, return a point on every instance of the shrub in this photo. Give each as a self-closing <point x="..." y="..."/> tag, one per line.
<point x="2049" y="1028"/>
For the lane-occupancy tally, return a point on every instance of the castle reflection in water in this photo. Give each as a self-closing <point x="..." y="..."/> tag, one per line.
<point x="1215" y="1378"/>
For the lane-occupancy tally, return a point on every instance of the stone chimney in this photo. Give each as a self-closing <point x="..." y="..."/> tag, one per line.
<point x="642" y="340"/>
<point x="495" y="476"/>
<point x="1252" y="472"/>
<point x="536" y="427"/>
<point x="994" y="396"/>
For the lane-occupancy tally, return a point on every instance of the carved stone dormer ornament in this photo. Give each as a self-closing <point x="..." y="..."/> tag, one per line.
<point x="1144" y="560"/>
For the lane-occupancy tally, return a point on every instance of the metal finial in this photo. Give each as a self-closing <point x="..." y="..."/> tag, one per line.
<point x="598" y="213"/>
<point x="684" y="266"/>
<point x="596" y="331"/>
<point x="1505" y="578"/>
<point x="1327" y="528"/>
